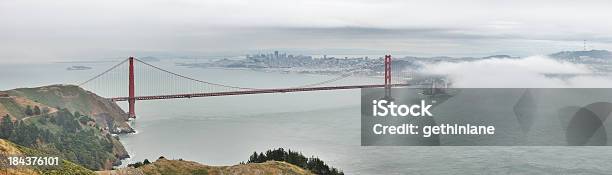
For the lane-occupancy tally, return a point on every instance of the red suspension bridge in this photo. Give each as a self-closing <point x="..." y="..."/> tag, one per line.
<point x="160" y="83"/>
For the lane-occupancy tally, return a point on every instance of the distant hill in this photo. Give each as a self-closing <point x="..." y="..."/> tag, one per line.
<point x="498" y="56"/>
<point x="574" y="55"/>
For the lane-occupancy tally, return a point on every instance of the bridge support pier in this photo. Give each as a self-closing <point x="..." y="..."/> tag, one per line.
<point x="132" y="98"/>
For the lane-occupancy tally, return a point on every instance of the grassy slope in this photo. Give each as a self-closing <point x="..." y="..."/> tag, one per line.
<point x="11" y="107"/>
<point x="165" y="166"/>
<point x="174" y="167"/>
<point x="71" y="97"/>
<point x="15" y="106"/>
<point x="74" y="98"/>
<point x="65" y="167"/>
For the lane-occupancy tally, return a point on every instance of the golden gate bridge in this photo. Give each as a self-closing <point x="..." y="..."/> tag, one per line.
<point x="181" y="86"/>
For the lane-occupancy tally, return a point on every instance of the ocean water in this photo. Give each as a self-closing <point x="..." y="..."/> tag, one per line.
<point x="326" y="124"/>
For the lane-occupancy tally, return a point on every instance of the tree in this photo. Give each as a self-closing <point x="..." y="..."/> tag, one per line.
<point x="146" y="161"/>
<point x="254" y="158"/>
<point x="6" y="127"/>
<point x="36" y="110"/>
<point x="29" y="111"/>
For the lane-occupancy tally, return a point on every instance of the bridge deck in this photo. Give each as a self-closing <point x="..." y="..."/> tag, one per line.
<point x="257" y="91"/>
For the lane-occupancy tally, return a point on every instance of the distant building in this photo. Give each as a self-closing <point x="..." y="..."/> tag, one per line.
<point x="4" y="95"/>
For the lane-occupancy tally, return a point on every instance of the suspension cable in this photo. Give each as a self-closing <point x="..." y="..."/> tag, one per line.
<point x="193" y="79"/>
<point x="85" y="82"/>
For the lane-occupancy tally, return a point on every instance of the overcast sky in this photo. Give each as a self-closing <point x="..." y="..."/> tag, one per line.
<point x="32" y="30"/>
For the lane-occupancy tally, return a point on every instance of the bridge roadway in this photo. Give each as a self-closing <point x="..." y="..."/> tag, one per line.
<point x="254" y="91"/>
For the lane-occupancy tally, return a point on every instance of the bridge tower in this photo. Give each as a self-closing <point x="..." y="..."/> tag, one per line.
<point x="388" y="76"/>
<point x="131" y="98"/>
<point x="387" y="70"/>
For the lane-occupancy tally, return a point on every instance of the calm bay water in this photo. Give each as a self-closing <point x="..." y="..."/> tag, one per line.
<point x="226" y="130"/>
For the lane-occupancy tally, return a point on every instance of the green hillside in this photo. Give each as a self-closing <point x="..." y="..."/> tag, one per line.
<point x="65" y="121"/>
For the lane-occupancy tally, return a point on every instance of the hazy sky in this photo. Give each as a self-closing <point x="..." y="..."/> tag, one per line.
<point x="32" y="30"/>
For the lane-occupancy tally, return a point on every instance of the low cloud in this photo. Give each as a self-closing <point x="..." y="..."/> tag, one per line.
<point x="529" y="72"/>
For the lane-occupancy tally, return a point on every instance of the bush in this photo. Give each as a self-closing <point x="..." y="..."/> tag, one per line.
<point x="136" y="165"/>
<point x="36" y="110"/>
<point x="28" y="111"/>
